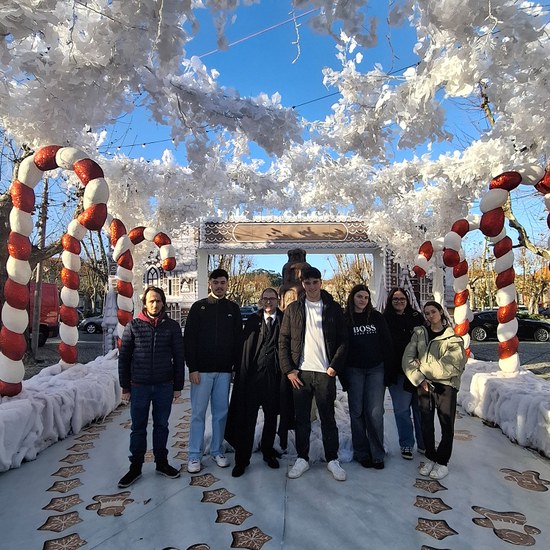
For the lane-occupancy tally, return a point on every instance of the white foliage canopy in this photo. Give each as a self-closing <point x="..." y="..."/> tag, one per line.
<point x="69" y="67"/>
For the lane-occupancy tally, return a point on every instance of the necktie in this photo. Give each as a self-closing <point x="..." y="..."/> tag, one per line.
<point x="269" y="325"/>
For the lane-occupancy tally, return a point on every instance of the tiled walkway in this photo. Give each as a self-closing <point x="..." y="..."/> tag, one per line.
<point x="495" y="497"/>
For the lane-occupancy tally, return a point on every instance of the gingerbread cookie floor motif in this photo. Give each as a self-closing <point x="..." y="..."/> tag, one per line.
<point x="495" y="497"/>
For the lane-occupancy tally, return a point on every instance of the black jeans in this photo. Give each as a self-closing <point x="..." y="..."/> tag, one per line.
<point x="442" y="399"/>
<point x="263" y="394"/>
<point x="323" y="388"/>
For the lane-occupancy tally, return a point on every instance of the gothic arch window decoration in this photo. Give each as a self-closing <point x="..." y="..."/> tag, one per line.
<point x="152" y="277"/>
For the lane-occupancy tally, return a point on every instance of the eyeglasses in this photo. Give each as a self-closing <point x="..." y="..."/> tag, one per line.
<point x="399" y="299"/>
<point x="272" y="299"/>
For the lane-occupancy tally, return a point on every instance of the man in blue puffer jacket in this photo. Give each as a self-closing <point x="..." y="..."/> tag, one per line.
<point x="151" y="371"/>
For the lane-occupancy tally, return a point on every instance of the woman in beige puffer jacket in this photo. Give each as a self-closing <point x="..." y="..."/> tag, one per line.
<point x="433" y="361"/>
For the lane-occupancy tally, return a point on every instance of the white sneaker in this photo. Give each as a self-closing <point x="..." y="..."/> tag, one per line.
<point x="194" y="466"/>
<point x="426" y="468"/>
<point x="300" y="466"/>
<point x="336" y="470"/>
<point x="439" y="471"/>
<point x="221" y="461"/>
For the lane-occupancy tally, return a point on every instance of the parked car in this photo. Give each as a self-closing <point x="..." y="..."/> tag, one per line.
<point x="544" y="311"/>
<point x="49" y="311"/>
<point x="91" y="325"/>
<point x="484" y="325"/>
<point x="247" y="311"/>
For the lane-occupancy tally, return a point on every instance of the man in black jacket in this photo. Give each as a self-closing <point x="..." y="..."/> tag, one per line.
<point x="212" y="339"/>
<point x="151" y="371"/>
<point x="256" y="385"/>
<point x="312" y="351"/>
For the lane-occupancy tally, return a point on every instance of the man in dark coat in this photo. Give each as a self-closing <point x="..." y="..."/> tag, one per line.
<point x="257" y="383"/>
<point x="313" y="346"/>
<point x="151" y="372"/>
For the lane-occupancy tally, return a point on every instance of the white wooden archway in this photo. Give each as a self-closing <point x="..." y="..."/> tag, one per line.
<point x="276" y="237"/>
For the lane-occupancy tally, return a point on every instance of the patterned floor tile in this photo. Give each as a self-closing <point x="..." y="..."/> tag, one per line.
<point x="235" y="515"/>
<point x="65" y="486"/>
<point x="252" y="538"/>
<point x="430" y="485"/>
<point x="61" y="522"/>
<point x="70" y="542"/>
<point x="68" y="471"/>
<point x="436" y="528"/>
<point x="110" y="505"/>
<point x="204" y="480"/>
<point x="218" y="496"/>
<point x="74" y="458"/>
<point x="432" y="505"/>
<point x="511" y="527"/>
<point x="79" y="447"/>
<point x="529" y="479"/>
<point x="62" y="504"/>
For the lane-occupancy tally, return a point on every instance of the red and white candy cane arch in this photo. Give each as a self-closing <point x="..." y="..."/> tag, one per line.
<point x="15" y="318"/>
<point x="123" y="243"/>
<point x="492" y="226"/>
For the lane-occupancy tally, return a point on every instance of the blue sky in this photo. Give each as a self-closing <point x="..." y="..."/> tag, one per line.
<point x="264" y="63"/>
<point x="269" y="62"/>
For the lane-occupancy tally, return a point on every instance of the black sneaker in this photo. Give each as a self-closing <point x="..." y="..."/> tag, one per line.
<point x="165" y="469"/>
<point x="407" y="453"/>
<point x="134" y="473"/>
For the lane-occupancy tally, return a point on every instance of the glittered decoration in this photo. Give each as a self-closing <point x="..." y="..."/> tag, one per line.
<point x="253" y="539"/>
<point x="436" y="528"/>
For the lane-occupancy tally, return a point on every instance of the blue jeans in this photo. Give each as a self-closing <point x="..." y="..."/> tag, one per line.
<point x="142" y="397"/>
<point x="366" y="410"/>
<point x="213" y="388"/>
<point x="403" y="403"/>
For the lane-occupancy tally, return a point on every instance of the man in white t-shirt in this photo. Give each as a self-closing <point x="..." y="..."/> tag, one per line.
<point x="312" y="350"/>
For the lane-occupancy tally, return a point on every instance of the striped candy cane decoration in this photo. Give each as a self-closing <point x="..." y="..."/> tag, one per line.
<point x="14" y="311"/>
<point x="123" y="244"/>
<point x="492" y="226"/>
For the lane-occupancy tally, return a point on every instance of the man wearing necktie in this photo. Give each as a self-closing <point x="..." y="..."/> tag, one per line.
<point x="256" y="385"/>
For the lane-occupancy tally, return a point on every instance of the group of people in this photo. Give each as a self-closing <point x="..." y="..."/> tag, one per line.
<point x="282" y="362"/>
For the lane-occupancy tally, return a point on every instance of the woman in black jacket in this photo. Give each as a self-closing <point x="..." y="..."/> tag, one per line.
<point x="369" y="342"/>
<point x="401" y="319"/>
